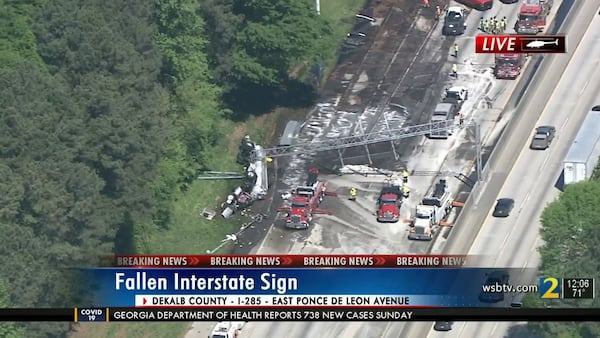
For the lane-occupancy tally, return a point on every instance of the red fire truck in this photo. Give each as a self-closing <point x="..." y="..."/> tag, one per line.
<point x="508" y="66"/>
<point x="482" y="5"/>
<point x="532" y="16"/>
<point x="305" y="202"/>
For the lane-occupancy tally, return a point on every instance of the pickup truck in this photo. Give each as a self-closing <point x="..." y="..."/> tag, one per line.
<point x="227" y="330"/>
<point x="456" y="95"/>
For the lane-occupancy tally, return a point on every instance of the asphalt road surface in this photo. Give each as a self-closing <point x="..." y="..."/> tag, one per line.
<point x="373" y="329"/>
<point x="531" y="181"/>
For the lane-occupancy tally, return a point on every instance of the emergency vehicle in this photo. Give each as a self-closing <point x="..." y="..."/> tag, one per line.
<point x="305" y="202"/>
<point x="482" y="5"/>
<point x="389" y="202"/>
<point x="299" y="215"/>
<point x="532" y="16"/>
<point x="508" y="66"/>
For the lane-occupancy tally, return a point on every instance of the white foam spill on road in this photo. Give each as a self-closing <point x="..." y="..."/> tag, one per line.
<point x="479" y="82"/>
<point x="326" y="122"/>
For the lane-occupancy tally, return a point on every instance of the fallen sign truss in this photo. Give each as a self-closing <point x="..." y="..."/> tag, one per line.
<point x="388" y="135"/>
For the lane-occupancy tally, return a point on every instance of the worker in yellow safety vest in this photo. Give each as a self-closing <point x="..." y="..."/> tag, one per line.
<point x="405" y="176"/>
<point x="353" y="194"/>
<point x="405" y="191"/>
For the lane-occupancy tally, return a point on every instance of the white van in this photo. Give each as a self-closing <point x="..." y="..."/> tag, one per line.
<point x="443" y="112"/>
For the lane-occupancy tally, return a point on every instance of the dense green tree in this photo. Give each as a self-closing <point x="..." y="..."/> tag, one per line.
<point x="8" y="330"/>
<point x="108" y="54"/>
<point x="222" y="26"/>
<point x="275" y="35"/>
<point x="255" y="44"/>
<point x="571" y="249"/>
<point x="194" y="99"/>
<point x="38" y="219"/>
<point x="17" y="42"/>
<point x="106" y="109"/>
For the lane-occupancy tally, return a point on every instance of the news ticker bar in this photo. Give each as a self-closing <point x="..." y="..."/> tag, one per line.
<point x="288" y="261"/>
<point x="296" y="314"/>
<point x="529" y="44"/>
<point x="279" y="301"/>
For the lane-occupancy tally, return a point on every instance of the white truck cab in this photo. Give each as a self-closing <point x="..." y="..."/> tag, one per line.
<point x="227" y="330"/>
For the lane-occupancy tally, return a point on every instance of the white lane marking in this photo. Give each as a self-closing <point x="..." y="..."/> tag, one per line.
<point x="462" y="329"/>
<point x="503" y="245"/>
<point x="566" y="120"/>
<point x="545" y="161"/>
<point x="584" y="86"/>
<point x="527" y="197"/>
<point x="494" y="329"/>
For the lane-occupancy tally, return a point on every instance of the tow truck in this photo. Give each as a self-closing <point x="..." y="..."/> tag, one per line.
<point x="227" y="330"/>
<point x="431" y="212"/>
<point x="456" y="95"/>
<point x="305" y="201"/>
<point x="532" y="16"/>
<point x="508" y="66"/>
<point x="388" y="203"/>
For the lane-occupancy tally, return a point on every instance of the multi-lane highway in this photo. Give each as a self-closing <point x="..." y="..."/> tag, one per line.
<point x="513" y="237"/>
<point x="530" y="181"/>
<point x="512" y="241"/>
<point x="374" y="329"/>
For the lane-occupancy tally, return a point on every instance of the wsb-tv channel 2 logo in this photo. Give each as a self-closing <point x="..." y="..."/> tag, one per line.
<point x="550" y="288"/>
<point x="566" y="288"/>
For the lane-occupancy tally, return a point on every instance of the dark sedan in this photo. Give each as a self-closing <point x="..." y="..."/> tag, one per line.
<point x="494" y="280"/>
<point x="442" y="326"/>
<point x="503" y="207"/>
<point x="454" y="23"/>
<point x="543" y="137"/>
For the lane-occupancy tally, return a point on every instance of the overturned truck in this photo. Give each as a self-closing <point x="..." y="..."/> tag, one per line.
<point x="256" y="185"/>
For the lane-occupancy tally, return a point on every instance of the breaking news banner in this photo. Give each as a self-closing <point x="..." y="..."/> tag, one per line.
<point x="523" y="44"/>
<point x="273" y="287"/>
<point x="95" y="315"/>
<point x="292" y="261"/>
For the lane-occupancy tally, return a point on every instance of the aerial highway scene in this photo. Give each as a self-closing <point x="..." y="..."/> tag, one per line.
<point x="462" y="132"/>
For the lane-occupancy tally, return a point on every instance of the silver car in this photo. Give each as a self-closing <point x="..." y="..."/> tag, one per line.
<point x="543" y="137"/>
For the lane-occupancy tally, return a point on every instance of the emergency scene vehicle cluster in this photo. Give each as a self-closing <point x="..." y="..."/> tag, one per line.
<point x="394" y="156"/>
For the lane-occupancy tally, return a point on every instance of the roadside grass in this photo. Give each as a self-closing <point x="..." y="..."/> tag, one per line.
<point x="189" y="232"/>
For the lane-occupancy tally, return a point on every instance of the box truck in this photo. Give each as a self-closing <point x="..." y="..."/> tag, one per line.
<point x="585" y="150"/>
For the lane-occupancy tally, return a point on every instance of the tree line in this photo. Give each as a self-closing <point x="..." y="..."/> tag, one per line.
<point x="109" y="108"/>
<point x="570" y="230"/>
